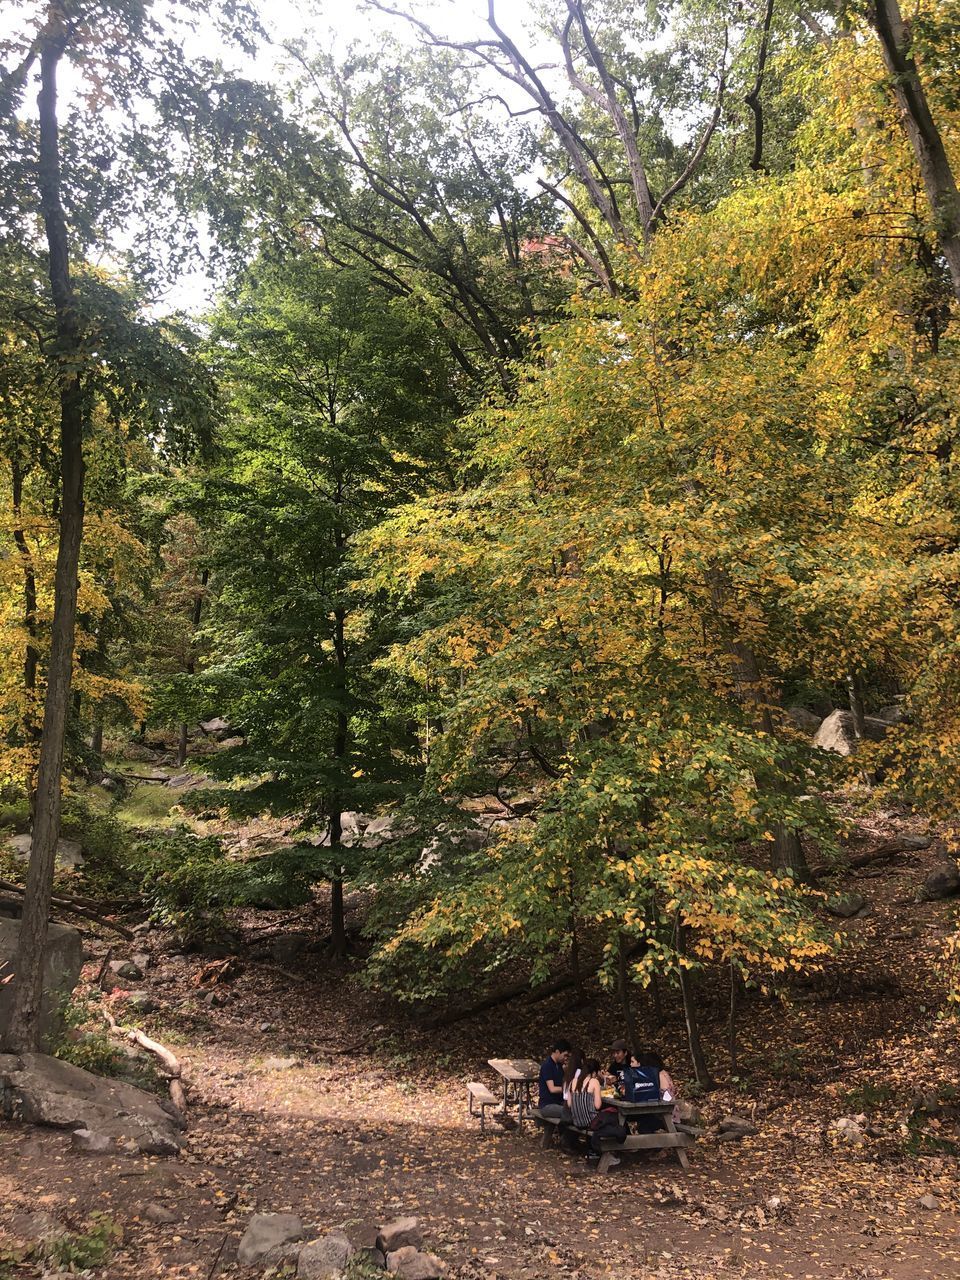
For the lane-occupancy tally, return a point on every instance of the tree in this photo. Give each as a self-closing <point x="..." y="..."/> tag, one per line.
<point x="338" y="412"/>
<point x="101" y="350"/>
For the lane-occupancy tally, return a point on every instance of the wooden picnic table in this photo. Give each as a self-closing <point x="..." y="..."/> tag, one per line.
<point x="667" y="1138"/>
<point x="518" y="1073"/>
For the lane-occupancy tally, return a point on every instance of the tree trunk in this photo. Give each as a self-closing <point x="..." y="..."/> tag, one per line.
<point x="25" y="1018"/>
<point x="736" y="989"/>
<point x="626" y="1004"/>
<point x="701" y="1071"/>
<point x="196" y="613"/>
<point x="96" y="737"/>
<point x="30" y="654"/>
<point x="921" y="129"/>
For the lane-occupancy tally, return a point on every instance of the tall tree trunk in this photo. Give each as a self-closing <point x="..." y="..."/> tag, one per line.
<point x="96" y="737"/>
<point x="701" y="1071"/>
<point x="24" y="1032"/>
<point x="626" y="1004"/>
<point x="338" y="927"/>
<point x="921" y="129"/>
<point x="341" y="737"/>
<point x="736" y="990"/>
<point x="30" y="654"/>
<point x="195" y="615"/>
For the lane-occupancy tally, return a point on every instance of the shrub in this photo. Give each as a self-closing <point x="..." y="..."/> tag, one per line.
<point x="90" y="1249"/>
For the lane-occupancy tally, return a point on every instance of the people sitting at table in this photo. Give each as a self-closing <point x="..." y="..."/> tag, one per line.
<point x="571" y="1070"/>
<point x="590" y="1113"/>
<point x="550" y="1082"/>
<point x="651" y="1072"/>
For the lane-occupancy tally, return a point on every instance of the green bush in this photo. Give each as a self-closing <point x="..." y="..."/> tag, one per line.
<point x="86" y="1043"/>
<point x="188" y="880"/>
<point x="91" y="1249"/>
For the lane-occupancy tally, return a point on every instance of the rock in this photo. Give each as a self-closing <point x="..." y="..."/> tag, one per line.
<point x="159" y="1214"/>
<point x="850" y="1129"/>
<point x="186" y="781"/>
<point x="378" y="831"/>
<point x="69" y="852"/>
<point x="845" y="904"/>
<point x="805" y="721"/>
<point x="62" y="962"/>
<point x="108" y="784"/>
<point x="281" y="1064"/>
<point x="216" y="725"/>
<point x="929" y="1202"/>
<point x="893" y="714"/>
<point x="687" y="1113"/>
<point x="38" y="1226"/>
<point x="837" y="732"/>
<point x="398" y="1234"/>
<point x="409" y="1263"/>
<point x="265" y="1026"/>
<point x="142" y="1002"/>
<point x="915" y="841"/>
<point x="268" y="1238"/>
<point x="942" y="882"/>
<point x="371" y="1256"/>
<point x="38" y="1089"/>
<point x="739" y="1126"/>
<point x="142" y="961"/>
<point x="325" y="1259"/>
<point x="126" y="969"/>
<point x="288" y="949"/>
<point x="229" y="743"/>
<point x="91" y="1142"/>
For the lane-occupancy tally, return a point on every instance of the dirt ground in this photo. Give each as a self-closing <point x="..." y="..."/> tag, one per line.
<point x="371" y="1122"/>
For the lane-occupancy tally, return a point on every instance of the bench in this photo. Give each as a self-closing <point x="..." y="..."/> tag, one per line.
<point x="670" y="1138"/>
<point x="480" y="1095"/>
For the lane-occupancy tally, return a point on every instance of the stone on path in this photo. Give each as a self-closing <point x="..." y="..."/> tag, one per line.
<point x="942" y="882"/>
<point x="38" y="1089"/>
<point x="159" y="1214"/>
<point x="126" y="969"/>
<point x="91" y="1142"/>
<point x="929" y="1202"/>
<point x="325" y="1259"/>
<point x="837" y="733"/>
<point x="739" y="1126"/>
<point x="269" y="1239"/>
<point x="281" y="1064"/>
<point x="409" y="1263"/>
<point x="845" y="905"/>
<point x="398" y="1234"/>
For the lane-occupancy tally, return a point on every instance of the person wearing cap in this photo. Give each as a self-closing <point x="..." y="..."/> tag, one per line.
<point x="618" y="1064"/>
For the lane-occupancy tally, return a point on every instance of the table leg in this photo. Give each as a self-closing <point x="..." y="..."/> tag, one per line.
<point x="681" y="1154"/>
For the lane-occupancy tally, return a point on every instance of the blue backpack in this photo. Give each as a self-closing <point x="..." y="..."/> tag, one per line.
<point x="641" y="1084"/>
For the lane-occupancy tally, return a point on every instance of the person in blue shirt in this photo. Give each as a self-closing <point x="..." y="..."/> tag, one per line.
<point x="550" y="1083"/>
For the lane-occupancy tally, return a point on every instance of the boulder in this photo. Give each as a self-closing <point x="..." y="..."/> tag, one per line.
<point x="281" y="1064"/>
<point x="845" y="905"/>
<point x="687" y="1113"/>
<point x="837" y="732"/>
<point x="38" y="1227"/>
<point x="270" y="1238"/>
<point x="942" y="882"/>
<point x="62" y="961"/>
<point x="409" y="1263"/>
<point x="126" y="969"/>
<point x="228" y="744"/>
<point x="739" y="1126"/>
<point x="159" y="1214"/>
<point x="69" y="852"/>
<point x="895" y="713"/>
<point x="803" y="720"/>
<point x="850" y="1129"/>
<point x="37" y="1089"/>
<point x="92" y="1143"/>
<point x="929" y="1202"/>
<point x="215" y="725"/>
<point x="142" y="1002"/>
<point x="378" y="831"/>
<point x="325" y="1259"/>
<point x="398" y="1234"/>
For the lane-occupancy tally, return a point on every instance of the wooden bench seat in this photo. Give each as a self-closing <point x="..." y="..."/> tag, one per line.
<point x="479" y="1095"/>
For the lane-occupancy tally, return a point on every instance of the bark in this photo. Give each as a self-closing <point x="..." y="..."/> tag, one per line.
<point x="736" y="991"/>
<point x="195" y="615"/>
<point x="24" y="1024"/>
<point x="341" y="738"/>
<point x="30" y="654"/>
<point x="921" y="129"/>
<point x="701" y="1071"/>
<point x="623" y="982"/>
<point x="96" y="737"/>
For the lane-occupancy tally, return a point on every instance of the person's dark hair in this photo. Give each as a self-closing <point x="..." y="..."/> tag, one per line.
<point x="574" y="1064"/>
<point x="561" y="1046"/>
<point x="591" y="1067"/>
<point x="619" y="1046"/>
<point x="649" y="1058"/>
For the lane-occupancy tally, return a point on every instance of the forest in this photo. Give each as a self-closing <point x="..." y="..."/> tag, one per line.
<point x="480" y="565"/>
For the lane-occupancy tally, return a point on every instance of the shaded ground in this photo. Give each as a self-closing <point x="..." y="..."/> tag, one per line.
<point x="372" y="1122"/>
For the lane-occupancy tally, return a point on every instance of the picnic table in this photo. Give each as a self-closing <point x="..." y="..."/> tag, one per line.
<point x="666" y="1139"/>
<point x="517" y="1074"/>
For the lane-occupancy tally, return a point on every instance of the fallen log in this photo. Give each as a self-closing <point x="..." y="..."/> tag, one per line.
<point x="72" y="906"/>
<point x="169" y="1062"/>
